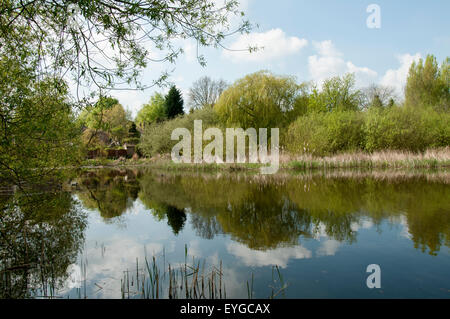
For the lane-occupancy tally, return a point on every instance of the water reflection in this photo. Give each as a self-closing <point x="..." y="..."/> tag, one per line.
<point x="260" y="221"/>
<point x="41" y="236"/>
<point x="266" y="213"/>
<point x="111" y="192"/>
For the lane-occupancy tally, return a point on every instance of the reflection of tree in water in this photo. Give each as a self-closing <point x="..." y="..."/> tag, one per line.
<point x="40" y="237"/>
<point x="205" y="227"/>
<point x="258" y="215"/>
<point x="111" y="192"/>
<point x="265" y="219"/>
<point x="267" y="214"/>
<point x="175" y="218"/>
<point x="422" y="205"/>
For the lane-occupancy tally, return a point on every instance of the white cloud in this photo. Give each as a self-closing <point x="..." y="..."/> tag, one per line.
<point x="258" y="258"/>
<point x="189" y="50"/>
<point x="363" y="224"/>
<point x="396" y="78"/>
<point x="131" y="99"/>
<point x="326" y="48"/>
<point x="329" y="62"/>
<point x="273" y="44"/>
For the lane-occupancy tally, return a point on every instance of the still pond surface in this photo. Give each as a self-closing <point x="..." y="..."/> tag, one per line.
<point x="298" y="235"/>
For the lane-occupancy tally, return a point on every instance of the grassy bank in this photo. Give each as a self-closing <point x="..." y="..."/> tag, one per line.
<point x="434" y="158"/>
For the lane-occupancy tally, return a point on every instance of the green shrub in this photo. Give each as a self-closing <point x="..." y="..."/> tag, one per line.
<point x="326" y="133"/>
<point x="394" y="128"/>
<point x="404" y="128"/>
<point x="156" y="138"/>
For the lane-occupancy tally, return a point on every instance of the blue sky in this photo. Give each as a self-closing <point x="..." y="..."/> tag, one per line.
<point x="313" y="40"/>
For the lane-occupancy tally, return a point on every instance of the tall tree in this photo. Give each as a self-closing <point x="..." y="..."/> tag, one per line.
<point x="174" y="103"/>
<point x="154" y="111"/>
<point x="176" y="218"/>
<point x="428" y="84"/>
<point x="338" y="93"/>
<point x="205" y="92"/>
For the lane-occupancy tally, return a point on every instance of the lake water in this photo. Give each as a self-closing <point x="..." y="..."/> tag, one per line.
<point x="309" y="235"/>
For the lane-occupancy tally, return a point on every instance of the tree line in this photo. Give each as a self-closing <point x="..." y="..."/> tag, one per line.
<point x="325" y="119"/>
<point x="44" y="43"/>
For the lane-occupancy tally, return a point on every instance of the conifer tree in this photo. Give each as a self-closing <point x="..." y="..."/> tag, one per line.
<point x="174" y="103"/>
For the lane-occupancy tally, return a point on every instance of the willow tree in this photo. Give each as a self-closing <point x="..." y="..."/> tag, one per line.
<point x="261" y="100"/>
<point x="41" y="237"/>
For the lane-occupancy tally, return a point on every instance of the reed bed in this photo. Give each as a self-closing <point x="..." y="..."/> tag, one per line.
<point x="433" y="158"/>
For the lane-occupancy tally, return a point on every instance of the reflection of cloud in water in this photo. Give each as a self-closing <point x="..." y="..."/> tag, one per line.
<point x="328" y="248"/>
<point x="194" y="249"/>
<point x="74" y="280"/>
<point x="107" y="269"/>
<point x="136" y="208"/>
<point x="403" y="222"/>
<point x="235" y="282"/>
<point x="257" y="258"/>
<point x="362" y="224"/>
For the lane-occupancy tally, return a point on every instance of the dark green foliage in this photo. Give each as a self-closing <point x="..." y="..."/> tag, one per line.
<point x="133" y="132"/>
<point x="176" y="218"/>
<point x="174" y="103"/>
